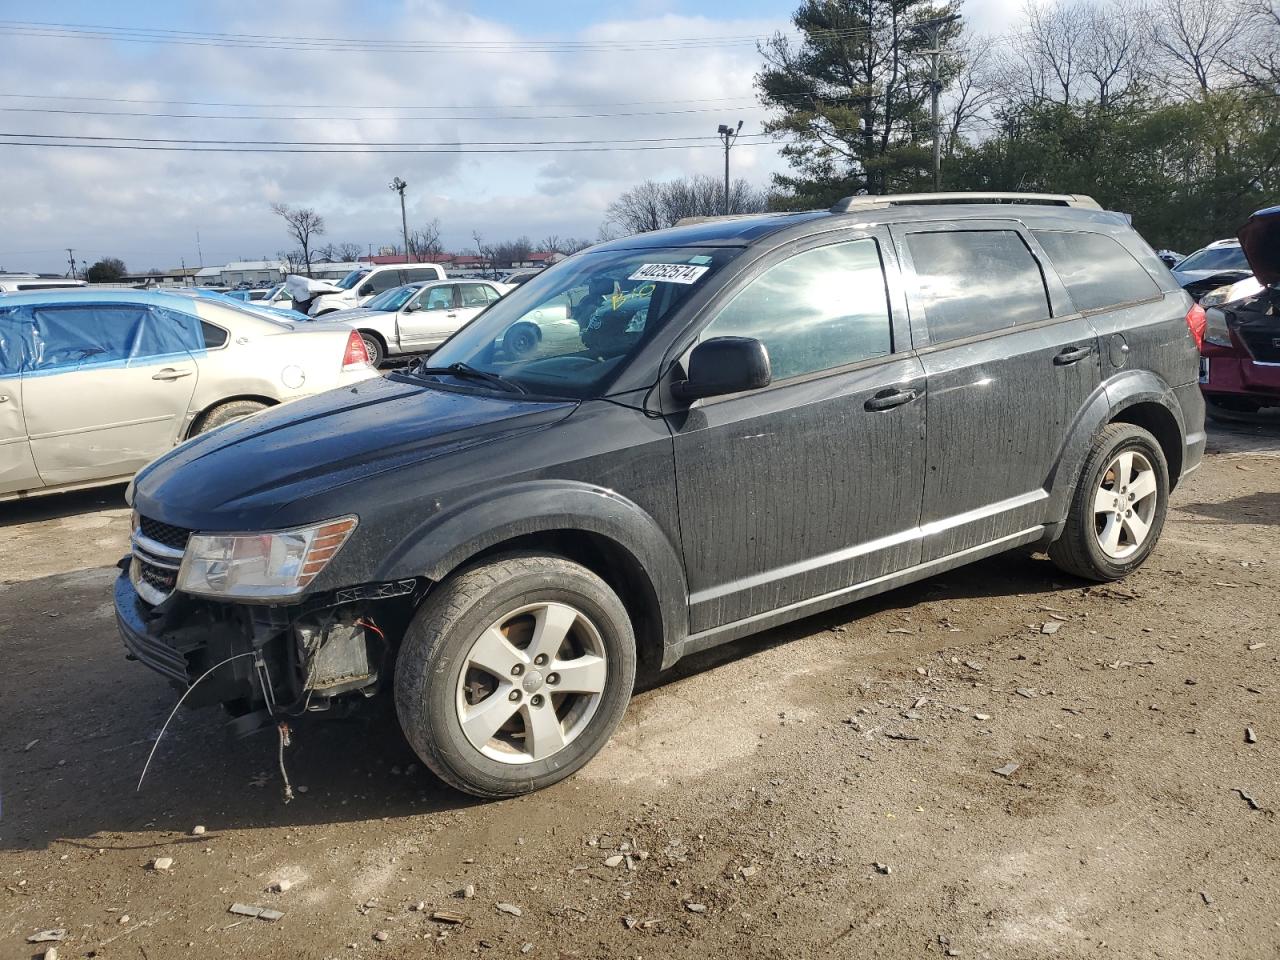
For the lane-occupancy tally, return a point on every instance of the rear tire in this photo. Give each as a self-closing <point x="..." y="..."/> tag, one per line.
<point x="227" y="413"/>
<point x="373" y="346"/>
<point x="1118" y="506"/>
<point x="471" y="655"/>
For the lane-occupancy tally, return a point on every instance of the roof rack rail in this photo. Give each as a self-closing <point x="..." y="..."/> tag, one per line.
<point x="874" y="202"/>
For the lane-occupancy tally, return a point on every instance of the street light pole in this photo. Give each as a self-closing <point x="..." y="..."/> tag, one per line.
<point x="933" y="29"/>
<point x="728" y="135"/>
<point x="398" y="186"/>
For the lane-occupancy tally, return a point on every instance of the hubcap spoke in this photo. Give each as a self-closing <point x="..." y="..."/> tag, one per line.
<point x="1110" y="535"/>
<point x="1143" y="486"/>
<point x="553" y="624"/>
<point x="1124" y="469"/>
<point x="482" y="720"/>
<point x="1104" y="501"/>
<point x="494" y="653"/>
<point x="585" y="674"/>
<point x="1136" y="527"/>
<point x="543" y="734"/>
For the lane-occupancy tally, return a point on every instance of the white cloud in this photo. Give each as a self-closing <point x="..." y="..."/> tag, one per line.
<point x="146" y="207"/>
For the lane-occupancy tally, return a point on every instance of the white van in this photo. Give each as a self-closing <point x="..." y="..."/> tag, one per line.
<point x="363" y="284"/>
<point x="27" y="283"/>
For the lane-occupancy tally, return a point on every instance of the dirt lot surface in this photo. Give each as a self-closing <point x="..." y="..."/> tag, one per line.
<point x="824" y="790"/>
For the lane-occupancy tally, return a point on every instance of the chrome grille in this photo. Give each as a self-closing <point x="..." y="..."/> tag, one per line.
<point x="157" y="557"/>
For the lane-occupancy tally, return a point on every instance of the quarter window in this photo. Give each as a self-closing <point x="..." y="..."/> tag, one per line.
<point x="971" y="282"/>
<point x="1097" y="271"/>
<point x="817" y="310"/>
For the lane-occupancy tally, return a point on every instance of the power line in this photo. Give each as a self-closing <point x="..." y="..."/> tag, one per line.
<point x="232" y="116"/>
<point x="370" y="143"/>
<point x="347" y="150"/>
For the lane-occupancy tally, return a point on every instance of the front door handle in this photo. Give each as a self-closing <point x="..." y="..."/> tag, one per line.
<point x="169" y="373"/>
<point x="1072" y="355"/>
<point x="888" y="399"/>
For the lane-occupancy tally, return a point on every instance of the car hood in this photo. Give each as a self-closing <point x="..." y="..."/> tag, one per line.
<point x="351" y="316"/>
<point x="1260" y="240"/>
<point x="258" y="473"/>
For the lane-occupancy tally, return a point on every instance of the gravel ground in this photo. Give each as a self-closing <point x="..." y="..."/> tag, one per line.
<point x="1000" y="762"/>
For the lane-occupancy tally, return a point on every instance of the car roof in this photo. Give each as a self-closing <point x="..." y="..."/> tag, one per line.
<point x="78" y="295"/>
<point x="773" y="229"/>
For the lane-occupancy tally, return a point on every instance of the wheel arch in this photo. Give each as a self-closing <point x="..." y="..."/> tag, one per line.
<point x="605" y="532"/>
<point x="222" y="401"/>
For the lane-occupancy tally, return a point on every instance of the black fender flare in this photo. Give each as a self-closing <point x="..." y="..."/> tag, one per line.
<point x="1107" y="402"/>
<point x="449" y="537"/>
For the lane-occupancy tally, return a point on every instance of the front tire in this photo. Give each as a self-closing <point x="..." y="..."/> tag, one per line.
<point x="1118" y="507"/>
<point x="514" y="673"/>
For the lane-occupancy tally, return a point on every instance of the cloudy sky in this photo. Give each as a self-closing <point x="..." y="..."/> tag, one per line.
<point x="573" y="70"/>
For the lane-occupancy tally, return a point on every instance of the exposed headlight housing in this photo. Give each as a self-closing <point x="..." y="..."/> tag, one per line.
<point x="1216" y="330"/>
<point x="261" y="566"/>
<point x="1216" y="296"/>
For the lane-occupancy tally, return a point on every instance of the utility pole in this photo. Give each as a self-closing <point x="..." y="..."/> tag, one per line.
<point x="398" y="186"/>
<point x="199" y="252"/>
<point x="71" y="259"/>
<point x="728" y="135"/>
<point x="933" y="30"/>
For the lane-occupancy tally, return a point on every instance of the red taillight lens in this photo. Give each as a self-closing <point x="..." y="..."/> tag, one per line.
<point x="357" y="356"/>
<point x="1197" y="322"/>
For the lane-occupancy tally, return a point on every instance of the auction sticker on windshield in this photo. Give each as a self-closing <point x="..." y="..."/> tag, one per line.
<point x="669" y="272"/>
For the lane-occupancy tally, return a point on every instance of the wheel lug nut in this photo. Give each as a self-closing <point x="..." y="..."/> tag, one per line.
<point x="517" y="670"/>
<point x="540" y="659"/>
<point x="553" y="678"/>
<point x="536" y="700"/>
<point x="514" y="696"/>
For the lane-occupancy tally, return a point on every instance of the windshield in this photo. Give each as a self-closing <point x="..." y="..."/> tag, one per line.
<point x="352" y="278"/>
<point x="392" y="299"/>
<point x="571" y="329"/>
<point x="1216" y="258"/>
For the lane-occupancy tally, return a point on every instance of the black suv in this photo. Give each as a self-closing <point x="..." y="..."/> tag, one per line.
<point x="663" y="443"/>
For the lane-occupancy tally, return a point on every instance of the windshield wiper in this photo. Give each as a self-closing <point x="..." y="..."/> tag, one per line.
<point x="465" y="370"/>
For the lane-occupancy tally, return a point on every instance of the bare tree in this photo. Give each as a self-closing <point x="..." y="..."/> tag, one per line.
<point x="974" y="93"/>
<point x="1258" y="61"/>
<point x="425" y="240"/>
<point x="303" y="224"/>
<point x="294" y="261"/>
<point x="347" y="252"/>
<point x="653" y="206"/>
<point x="1197" y="39"/>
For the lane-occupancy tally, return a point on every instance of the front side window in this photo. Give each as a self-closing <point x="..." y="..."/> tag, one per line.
<point x="820" y="309"/>
<point x="385" y="280"/>
<point x="1216" y="259"/>
<point x="1096" y="270"/>
<point x="970" y="282"/>
<point x="570" y="330"/>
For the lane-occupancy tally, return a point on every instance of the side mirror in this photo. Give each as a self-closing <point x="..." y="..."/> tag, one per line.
<point x="413" y="307"/>
<point x="365" y="290"/>
<point x="725" y="365"/>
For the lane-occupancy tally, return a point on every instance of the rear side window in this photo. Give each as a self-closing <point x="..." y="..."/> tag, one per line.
<point x="90" y="335"/>
<point x="213" y="336"/>
<point x="422" y="273"/>
<point x="1097" y="271"/>
<point x="474" y="294"/>
<point x="820" y="309"/>
<point x="971" y="282"/>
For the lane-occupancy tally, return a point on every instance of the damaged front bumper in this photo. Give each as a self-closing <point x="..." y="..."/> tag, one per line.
<point x="262" y="661"/>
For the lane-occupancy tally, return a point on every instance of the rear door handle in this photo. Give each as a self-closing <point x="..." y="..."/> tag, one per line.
<point x="888" y="399"/>
<point x="1072" y="355"/>
<point x="169" y="373"/>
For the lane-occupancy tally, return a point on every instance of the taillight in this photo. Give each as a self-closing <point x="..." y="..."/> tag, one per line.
<point x="357" y="356"/>
<point x="1196" y="323"/>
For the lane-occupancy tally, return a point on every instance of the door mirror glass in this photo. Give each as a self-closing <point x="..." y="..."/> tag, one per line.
<point x="725" y="365"/>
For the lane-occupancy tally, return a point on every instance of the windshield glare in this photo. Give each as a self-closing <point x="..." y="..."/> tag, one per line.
<point x="393" y="299"/>
<point x="570" y="330"/>
<point x="352" y="278"/>
<point x="1216" y="258"/>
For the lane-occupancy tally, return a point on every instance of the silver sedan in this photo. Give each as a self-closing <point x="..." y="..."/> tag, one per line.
<point x="416" y="317"/>
<point x="94" y="384"/>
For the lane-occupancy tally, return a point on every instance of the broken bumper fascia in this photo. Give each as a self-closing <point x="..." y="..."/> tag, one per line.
<point x="141" y="645"/>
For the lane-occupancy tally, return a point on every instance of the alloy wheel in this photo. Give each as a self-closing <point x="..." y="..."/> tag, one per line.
<point x="531" y="683"/>
<point x="1125" y="504"/>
